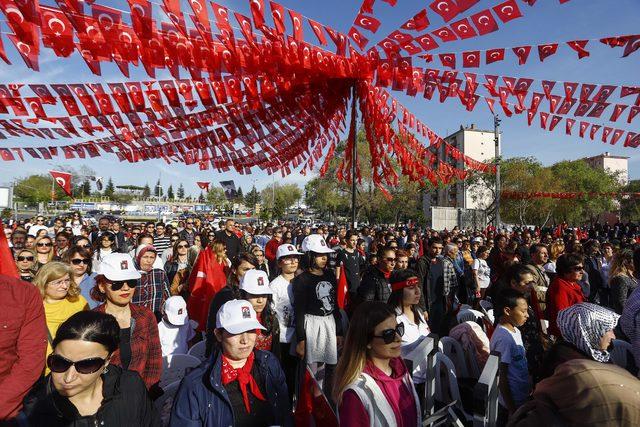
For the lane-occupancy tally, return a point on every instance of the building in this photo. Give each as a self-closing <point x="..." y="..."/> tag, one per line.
<point x="479" y="145"/>
<point x="612" y="164"/>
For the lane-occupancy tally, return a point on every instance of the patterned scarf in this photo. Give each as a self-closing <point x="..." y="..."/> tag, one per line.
<point x="244" y="377"/>
<point x="584" y="324"/>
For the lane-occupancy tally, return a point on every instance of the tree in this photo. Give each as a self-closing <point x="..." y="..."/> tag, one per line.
<point x="170" y="194"/>
<point x="180" y="191"/>
<point x="240" y="196"/>
<point x="216" y="197"/>
<point x="157" y="190"/>
<point x="252" y="198"/>
<point x="201" y="197"/>
<point x="146" y="191"/>
<point x="85" y="189"/>
<point x="36" y="189"/>
<point x="630" y="205"/>
<point x="278" y="199"/>
<point x="109" y="190"/>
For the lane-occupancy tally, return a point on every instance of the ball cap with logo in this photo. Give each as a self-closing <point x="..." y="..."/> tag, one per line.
<point x="117" y="266"/>
<point x="255" y="282"/>
<point x="286" y="250"/>
<point x="175" y="308"/>
<point x="316" y="243"/>
<point x="237" y="316"/>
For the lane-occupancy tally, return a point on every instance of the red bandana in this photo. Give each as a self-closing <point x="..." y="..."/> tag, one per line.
<point x="386" y="274"/>
<point x="244" y="377"/>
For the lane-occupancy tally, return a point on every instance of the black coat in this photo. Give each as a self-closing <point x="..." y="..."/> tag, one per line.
<point x="126" y="403"/>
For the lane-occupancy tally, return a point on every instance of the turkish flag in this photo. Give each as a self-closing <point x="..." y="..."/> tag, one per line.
<point x="358" y="38"/>
<point x="522" y="52"/>
<point x="317" y="30"/>
<point x="471" y="59"/>
<point x="28" y="53"/>
<point x="484" y="22"/>
<point x="257" y="12"/>
<point x="7" y="263"/>
<point x="312" y="406"/>
<point x="568" y="125"/>
<point x="296" y="21"/>
<point x="554" y="122"/>
<point x="369" y="23"/>
<point x="633" y="44"/>
<point x="445" y="34"/>
<point x="448" y="59"/>
<point x="633" y="112"/>
<point x="570" y="89"/>
<point x="427" y="42"/>
<point x="583" y="128"/>
<point x="463" y="29"/>
<point x="546" y="50"/>
<point x="277" y="11"/>
<point x="419" y="22"/>
<point x="617" y="134"/>
<point x="445" y="8"/>
<point x="204" y="185"/>
<point x="63" y="179"/>
<point x="494" y="55"/>
<point x="342" y="291"/>
<point x="604" y="93"/>
<point x="507" y="11"/>
<point x="578" y="46"/>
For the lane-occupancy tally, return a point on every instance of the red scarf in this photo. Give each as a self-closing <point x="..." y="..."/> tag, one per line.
<point x="386" y="274"/>
<point x="244" y="377"/>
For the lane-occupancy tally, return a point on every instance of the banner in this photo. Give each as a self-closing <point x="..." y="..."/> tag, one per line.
<point x="229" y="188"/>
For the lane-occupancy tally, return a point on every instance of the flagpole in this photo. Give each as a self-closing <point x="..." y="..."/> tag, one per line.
<point x="354" y="153"/>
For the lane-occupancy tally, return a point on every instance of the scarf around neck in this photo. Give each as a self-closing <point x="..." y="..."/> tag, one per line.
<point x="244" y="377"/>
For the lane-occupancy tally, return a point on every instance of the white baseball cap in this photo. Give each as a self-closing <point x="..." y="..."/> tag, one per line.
<point x="286" y="250"/>
<point x="315" y="243"/>
<point x="175" y="308"/>
<point x="255" y="282"/>
<point x="477" y="240"/>
<point x="237" y="316"/>
<point x="117" y="266"/>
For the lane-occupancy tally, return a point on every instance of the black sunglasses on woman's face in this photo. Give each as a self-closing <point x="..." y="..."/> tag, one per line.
<point x="59" y="364"/>
<point x="389" y="335"/>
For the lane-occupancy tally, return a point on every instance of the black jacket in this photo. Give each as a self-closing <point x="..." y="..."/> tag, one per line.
<point x="374" y="286"/>
<point x="126" y="403"/>
<point x="232" y="243"/>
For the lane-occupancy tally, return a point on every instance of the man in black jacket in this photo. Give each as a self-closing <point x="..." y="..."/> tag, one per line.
<point x="228" y="236"/>
<point x="375" y="282"/>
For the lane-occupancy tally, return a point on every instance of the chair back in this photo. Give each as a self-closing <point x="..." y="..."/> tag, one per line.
<point x="175" y="366"/>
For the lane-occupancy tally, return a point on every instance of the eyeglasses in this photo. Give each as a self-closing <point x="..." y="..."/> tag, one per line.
<point x="390" y="259"/>
<point x="116" y="285"/>
<point x="41" y="245"/>
<point x="78" y="261"/>
<point x="59" y="364"/>
<point x="389" y="335"/>
<point x="25" y="258"/>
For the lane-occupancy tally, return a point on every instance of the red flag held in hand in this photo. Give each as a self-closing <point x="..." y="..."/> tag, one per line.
<point x="341" y="296"/>
<point x="63" y="179"/>
<point x="7" y="263"/>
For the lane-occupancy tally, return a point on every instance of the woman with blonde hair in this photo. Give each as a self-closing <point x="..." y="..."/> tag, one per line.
<point x="44" y="251"/>
<point x="621" y="279"/>
<point x="372" y="385"/>
<point x="60" y="296"/>
<point x="555" y="250"/>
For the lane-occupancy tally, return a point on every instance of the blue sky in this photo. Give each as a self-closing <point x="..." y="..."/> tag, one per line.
<point x="547" y="21"/>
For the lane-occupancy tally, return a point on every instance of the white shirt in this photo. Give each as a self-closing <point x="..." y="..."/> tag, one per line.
<point x="412" y="336"/>
<point x="174" y="339"/>
<point x="483" y="272"/>
<point x="283" y="306"/>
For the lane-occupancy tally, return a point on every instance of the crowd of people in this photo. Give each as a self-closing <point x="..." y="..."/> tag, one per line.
<point x="95" y="308"/>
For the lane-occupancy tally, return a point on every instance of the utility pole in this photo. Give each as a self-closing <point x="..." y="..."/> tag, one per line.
<point x="354" y="154"/>
<point x="496" y="139"/>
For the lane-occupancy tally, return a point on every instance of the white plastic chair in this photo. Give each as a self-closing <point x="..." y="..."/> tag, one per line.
<point x="621" y="353"/>
<point x="485" y="394"/>
<point x="174" y="367"/>
<point x="469" y="315"/>
<point x="447" y="388"/>
<point x="453" y="350"/>
<point x="163" y="404"/>
<point x="198" y="350"/>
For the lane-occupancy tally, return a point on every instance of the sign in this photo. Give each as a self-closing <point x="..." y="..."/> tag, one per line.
<point x="82" y="206"/>
<point x="5" y="197"/>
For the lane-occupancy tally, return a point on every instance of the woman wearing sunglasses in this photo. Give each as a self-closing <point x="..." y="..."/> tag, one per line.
<point x="79" y="259"/>
<point x="60" y="295"/>
<point x="564" y="291"/>
<point x="26" y="261"/>
<point x="83" y="388"/>
<point x="139" y="341"/>
<point x="44" y="251"/>
<point x="372" y="383"/>
<point x="177" y="263"/>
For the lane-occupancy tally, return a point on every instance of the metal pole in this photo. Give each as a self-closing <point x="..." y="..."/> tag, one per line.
<point x="354" y="154"/>
<point x="496" y="139"/>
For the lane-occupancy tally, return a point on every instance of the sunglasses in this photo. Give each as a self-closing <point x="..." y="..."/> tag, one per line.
<point x="41" y="245"/>
<point x="577" y="268"/>
<point x="389" y="335"/>
<point x="25" y="258"/>
<point x="390" y="259"/>
<point x="59" y="364"/>
<point x="183" y="246"/>
<point x="116" y="285"/>
<point x="85" y="246"/>
<point x="78" y="261"/>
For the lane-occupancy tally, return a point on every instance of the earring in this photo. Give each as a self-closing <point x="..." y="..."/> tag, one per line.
<point x="106" y="369"/>
<point x="369" y="347"/>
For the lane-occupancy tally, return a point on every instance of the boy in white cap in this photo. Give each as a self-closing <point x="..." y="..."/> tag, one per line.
<point x="238" y="385"/>
<point x="175" y="328"/>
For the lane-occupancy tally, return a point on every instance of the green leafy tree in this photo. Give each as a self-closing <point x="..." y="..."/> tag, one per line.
<point x="279" y="198"/>
<point x="180" y="191"/>
<point x="86" y="188"/>
<point x="630" y="205"/>
<point x="201" y="197"/>
<point x="35" y="189"/>
<point x="146" y="191"/>
<point x="252" y="198"/>
<point x="240" y="196"/>
<point x="216" y="197"/>
<point x="109" y="190"/>
<point x="157" y="190"/>
<point x="170" y="194"/>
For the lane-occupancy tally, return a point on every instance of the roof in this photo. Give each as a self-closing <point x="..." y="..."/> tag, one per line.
<point x="471" y="128"/>
<point x="606" y="156"/>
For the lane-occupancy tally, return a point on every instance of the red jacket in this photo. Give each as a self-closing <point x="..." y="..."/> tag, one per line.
<point x="146" y="353"/>
<point x="271" y="248"/>
<point x="23" y="342"/>
<point x="560" y="295"/>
